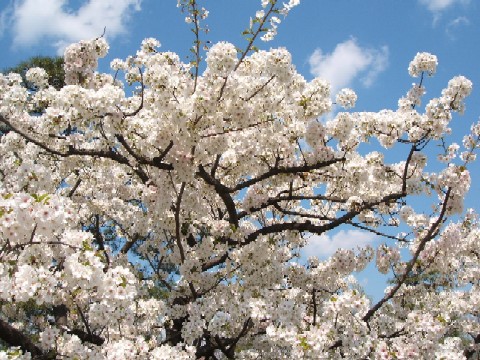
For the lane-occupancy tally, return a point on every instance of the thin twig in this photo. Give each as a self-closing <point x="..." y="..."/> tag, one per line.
<point x="428" y="236"/>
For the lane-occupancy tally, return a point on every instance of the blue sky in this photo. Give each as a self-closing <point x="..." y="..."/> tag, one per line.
<point x="366" y="45"/>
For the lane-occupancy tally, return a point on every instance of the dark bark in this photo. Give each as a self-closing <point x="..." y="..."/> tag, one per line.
<point x="14" y="337"/>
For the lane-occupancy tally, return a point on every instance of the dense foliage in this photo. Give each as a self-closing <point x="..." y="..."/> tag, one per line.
<point x="167" y="223"/>
<point x="52" y="65"/>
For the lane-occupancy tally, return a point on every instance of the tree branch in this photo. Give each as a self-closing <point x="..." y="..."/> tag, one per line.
<point x="14" y="337"/>
<point x="428" y="236"/>
<point x="284" y="170"/>
<point x="260" y="88"/>
<point x="319" y="229"/>
<point x="106" y="154"/>
<point x="223" y="192"/>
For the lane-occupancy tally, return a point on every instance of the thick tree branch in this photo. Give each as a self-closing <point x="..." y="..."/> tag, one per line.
<point x="129" y="244"/>
<point x="223" y="192"/>
<point x="247" y="325"/>
<point x="284" y="170"/>
<point x="74" y="187"/>
<point x="14" y="337"/>
<point x="155" y="162"/>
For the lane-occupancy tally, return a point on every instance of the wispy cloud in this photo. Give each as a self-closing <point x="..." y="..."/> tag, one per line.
<point x="347" y="62"/>
<point x="453" y="25"/>
<point x="32" y="21"/>
<point x="436" y="6"/>
<point x="323" y="246"/>
<point x="5" y="16"/>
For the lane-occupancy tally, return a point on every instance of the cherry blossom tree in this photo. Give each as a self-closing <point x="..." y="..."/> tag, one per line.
<point x="166" y="222"/>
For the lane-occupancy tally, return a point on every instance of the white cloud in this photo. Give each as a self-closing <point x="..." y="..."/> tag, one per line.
<point x="461" y="20"/>
<point x="436" y="6"/>
<point x="453" y="25"/>
<point x="4" y="16"/>
<point x="347" y="61"/>
<point x="33" y="21"/>
<point x="323" y="246"/>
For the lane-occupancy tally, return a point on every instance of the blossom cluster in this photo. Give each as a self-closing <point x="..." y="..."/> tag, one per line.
<point x="423" y="63"/>
<point x="169" y="222"/>
<point x="37" y="76"/>
<point x="81" y="60"/>
<point x="274" y="21"/>
<point x="346" y="98"/>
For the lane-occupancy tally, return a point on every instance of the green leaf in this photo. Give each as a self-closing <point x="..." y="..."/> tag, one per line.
<point x="75" y="292"/>
<point x="303" y="343"/>
<point x="303" y="103"/>
<point x="86" y="246"/>
<point x="441" y="319"/>
<point x="41" y="198"/>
